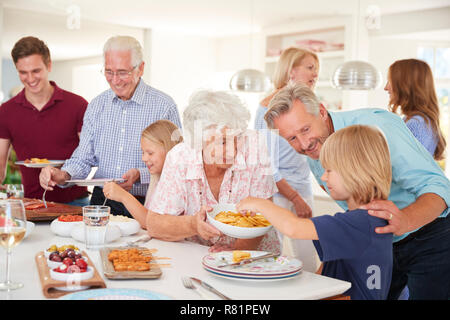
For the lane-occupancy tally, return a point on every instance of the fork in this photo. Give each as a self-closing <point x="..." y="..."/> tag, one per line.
<point x="187" y="283"/>
<point x="43" y="197"/>
<point x="106" y="199"/>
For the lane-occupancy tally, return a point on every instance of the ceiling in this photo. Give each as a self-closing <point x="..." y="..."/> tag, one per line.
<point x="209" y="18"/>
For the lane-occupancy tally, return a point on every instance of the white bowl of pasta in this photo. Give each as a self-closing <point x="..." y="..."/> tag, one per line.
<point x="229" y="221"/>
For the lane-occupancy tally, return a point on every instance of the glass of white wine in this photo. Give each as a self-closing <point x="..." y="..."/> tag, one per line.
<point x="13" y="225"/>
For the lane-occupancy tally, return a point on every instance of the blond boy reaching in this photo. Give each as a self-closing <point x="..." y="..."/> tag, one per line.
<point x="357" y="170"/>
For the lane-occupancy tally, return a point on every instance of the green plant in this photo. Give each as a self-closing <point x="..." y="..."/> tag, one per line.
<point x="12" y="170"/>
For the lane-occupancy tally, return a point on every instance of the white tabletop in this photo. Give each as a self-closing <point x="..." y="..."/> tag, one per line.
<point x="185" y="261"/>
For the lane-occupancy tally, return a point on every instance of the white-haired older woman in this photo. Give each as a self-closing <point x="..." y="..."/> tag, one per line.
<point x="218" y="163"/>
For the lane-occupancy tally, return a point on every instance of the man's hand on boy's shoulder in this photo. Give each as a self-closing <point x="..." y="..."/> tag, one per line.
<point x="386" y="209"/>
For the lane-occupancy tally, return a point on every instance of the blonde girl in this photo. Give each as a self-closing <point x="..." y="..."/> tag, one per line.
<point x="156" y="140"/>
<point x="357" y="169"/>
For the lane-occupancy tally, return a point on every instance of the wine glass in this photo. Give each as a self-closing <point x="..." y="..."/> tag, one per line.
<point x="13" y="225"/>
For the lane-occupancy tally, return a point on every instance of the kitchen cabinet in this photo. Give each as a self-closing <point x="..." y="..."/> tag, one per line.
<point x="329" y="39"/>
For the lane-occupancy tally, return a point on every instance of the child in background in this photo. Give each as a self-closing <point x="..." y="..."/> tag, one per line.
<point x="357" y="170"/>
<point x="156" y="140"/>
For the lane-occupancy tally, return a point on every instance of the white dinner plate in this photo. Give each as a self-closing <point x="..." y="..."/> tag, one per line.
<point x="116" y="294"/>
<point x="280" y="267"/>
<point x="93" y="182"/>
<point x="53" y="163"/>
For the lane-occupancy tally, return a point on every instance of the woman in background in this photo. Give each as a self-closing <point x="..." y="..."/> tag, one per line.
<point x="291" y="170"/>
<point x="411" y="92"/>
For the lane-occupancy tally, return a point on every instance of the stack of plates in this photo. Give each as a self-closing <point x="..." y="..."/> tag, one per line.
<point x="265" y="269"/>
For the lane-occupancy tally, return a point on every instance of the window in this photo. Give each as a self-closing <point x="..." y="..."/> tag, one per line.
<point x="438" y="58"/>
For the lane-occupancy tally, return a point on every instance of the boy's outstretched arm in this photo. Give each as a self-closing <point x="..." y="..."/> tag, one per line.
<point x="282" y="219"/>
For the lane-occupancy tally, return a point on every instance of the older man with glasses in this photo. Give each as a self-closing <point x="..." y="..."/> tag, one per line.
<point x="113" y="124"/>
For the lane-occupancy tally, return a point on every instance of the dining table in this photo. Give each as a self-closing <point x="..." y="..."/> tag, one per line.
<point x="184" y="258"/>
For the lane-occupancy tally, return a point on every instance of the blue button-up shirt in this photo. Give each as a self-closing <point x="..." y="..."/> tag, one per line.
<point x="414" y="171"/>
<point x="111" y="132"/>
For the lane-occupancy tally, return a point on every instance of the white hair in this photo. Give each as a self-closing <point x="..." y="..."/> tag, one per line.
<point x="125" y="43"/>
<point x="213" y="109"/>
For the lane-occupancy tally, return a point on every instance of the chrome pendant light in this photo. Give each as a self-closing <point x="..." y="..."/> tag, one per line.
<point x="356" y="74"/>
<point x="250" y="80"/>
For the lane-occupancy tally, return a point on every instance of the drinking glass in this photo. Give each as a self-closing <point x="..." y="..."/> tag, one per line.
<point x="96" y="220"/>
<point x="13" y="225"/>
<point x="14" y="190"/>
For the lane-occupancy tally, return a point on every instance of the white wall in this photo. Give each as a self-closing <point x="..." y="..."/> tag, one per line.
<point x="81" y="76"/>
<point x="181" y="64"/>
<point x="383" y="52"/>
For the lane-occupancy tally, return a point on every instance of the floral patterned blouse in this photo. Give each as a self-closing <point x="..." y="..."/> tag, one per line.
<point x="183" y="187"/>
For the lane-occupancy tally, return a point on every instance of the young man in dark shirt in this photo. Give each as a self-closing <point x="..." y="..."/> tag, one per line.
<point x="42" y="121"/>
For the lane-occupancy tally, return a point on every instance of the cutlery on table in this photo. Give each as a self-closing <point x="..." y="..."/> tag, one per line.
<point x="133" y="243"/>
<point x="249" y="260"/>
<point x="210" y="288"/>
<point x="187" y="283"/>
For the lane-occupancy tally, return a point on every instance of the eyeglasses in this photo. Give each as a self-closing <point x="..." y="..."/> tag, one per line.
<point x="122" y="74"/>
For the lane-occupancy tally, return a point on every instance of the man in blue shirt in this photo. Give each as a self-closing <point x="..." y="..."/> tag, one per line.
<point x="419" y="200"/>
<point x="112" y="126"/>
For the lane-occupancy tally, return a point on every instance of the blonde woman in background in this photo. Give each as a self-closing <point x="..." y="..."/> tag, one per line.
<point x="411" y="92"/>
<point x="156" y="141"/>
<point x="291" y="170"/>
<point x="347" y="242"/>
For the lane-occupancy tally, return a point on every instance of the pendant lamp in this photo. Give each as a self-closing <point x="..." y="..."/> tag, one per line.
<point x="250" y="80"/>
<point x="356" y="74"/>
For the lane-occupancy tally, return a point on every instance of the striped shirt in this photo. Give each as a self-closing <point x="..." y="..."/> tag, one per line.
<point x="111" y="132"/>
<point x="423" y="133"/>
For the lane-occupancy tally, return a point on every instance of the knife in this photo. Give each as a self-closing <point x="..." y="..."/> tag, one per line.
<point x="210" y="288"/>
<point x="249" y="260"/>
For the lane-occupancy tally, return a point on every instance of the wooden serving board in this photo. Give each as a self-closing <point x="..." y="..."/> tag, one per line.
<point x="49" y="285"/>
<point x="109" y="272"/>
<point x="52" y="212"/>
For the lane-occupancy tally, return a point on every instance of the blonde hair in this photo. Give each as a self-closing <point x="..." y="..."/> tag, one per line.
<point x="164" y="133"/>
<point x="413" y="93"/>
<point x="289" y="59"/>
<point x="360" y="154"/>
